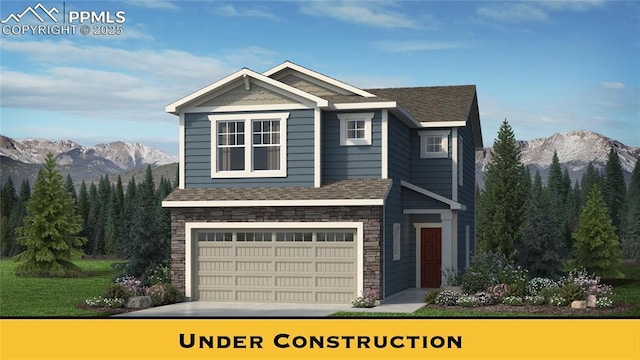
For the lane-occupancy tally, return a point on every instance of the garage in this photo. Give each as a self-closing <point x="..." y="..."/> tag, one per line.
<point x="276" y="264"/>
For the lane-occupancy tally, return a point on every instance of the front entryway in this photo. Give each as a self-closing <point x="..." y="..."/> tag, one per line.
<point x="430" y="257"/>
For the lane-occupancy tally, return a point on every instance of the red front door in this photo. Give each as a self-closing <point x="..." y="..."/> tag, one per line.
<point x="430" y="257"/>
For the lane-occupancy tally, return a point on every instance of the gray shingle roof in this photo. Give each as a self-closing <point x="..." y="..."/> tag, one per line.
<point x="432" y="103"/>
<point x="354" y="189"/>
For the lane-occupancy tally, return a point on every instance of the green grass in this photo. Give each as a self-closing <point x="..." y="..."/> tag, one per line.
<point x="626" y="290"/>
<point x="52" y="297"/>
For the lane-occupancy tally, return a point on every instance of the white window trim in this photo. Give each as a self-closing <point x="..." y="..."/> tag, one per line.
<point x="248" y="172"/>
<point x="424" y="135"/>
<point x="344" y="118"/>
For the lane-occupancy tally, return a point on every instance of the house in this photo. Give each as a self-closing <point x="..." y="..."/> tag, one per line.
<point x="297" y="187"/>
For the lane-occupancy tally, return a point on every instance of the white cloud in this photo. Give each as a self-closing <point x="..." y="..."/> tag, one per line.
<point x="512" y="13"/>
<point x="416" y="45"/>
<point x="257" y="12"/>
<point x="376" y="14"/>
<point x="615" y="85"/>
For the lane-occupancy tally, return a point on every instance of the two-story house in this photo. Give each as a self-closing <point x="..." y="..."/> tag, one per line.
<point x="297" y="187"/>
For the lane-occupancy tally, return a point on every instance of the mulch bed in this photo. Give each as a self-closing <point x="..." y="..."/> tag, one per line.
<point x="546" y="310"/>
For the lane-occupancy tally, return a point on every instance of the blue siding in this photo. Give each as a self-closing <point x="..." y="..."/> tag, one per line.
<point x="431" y="174"/>
<point x="350" y="162"/>
<point x="399" y="150"/>
<point x="466" y="196"/>
<point x="299" y="154"/>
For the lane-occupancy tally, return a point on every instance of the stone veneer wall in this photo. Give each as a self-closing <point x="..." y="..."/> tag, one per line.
<point x="370" y="216"/>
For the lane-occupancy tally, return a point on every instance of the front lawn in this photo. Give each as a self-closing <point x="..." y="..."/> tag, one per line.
<point x="52" y="297"/>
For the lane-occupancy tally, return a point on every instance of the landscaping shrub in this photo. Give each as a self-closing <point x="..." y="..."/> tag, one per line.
<point x="157" y="274"/>
<point x="430" y="298"/>
<point x="467" y="300"/>
<point x="535" y="300"/>
<point x="100" y="301"/>
<point x="172" y="294"/>
<point x="558" y="300"/>
<point x="131" y="285"/>
<point x="516" y="277"/>
<point x="604" y="302"/>
<point x="548" y="292"/>
<point x="116" y="291"/>
<point x="512" y="300"/>
<point x="163" y="294"/>
<point x="367" y="300"/>
<point x="447" y="298"/>
<point x="483" y="271"/>
<point x="572" y="292"/>
<point x="499" y="291"/>
<point x="484" y="298"/>
<point x="536" y="284"/>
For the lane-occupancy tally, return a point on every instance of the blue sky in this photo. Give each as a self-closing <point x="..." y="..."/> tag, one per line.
<point x="545" y="66"/>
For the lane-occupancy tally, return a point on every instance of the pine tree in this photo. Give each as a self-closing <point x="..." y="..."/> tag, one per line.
<point x="16" y="219"/>
<point x="503" y="201"/>
<point x="631" y="236"/>
<point x="148" y="246"/>
<point x="574" y="205"/>
<point x="129" y="208"/>
<point x="68" y="187"/>
<point x="50" y="229"/>
<point x="558" y="200"/>
<point x="596" y="246"/>
<point x="614" y="190"/>
<point x="8" y="200"/>
<point x="591" y="177"/>
<point x="94" y="223"/>
<point x="539" y="250"/>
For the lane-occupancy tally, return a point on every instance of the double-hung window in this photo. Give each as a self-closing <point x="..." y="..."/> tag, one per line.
<point x="355" y="129"/>
<point x="249" y="145"/>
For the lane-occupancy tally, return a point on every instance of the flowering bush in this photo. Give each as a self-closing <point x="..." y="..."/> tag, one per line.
<point x="516" y="277"/>
<point x="538" y="283"/>
<point x="157" y="294"/>
<point x="498" y="291"/>
<point x="100" y="301"/>
<point x="467" y="300"/>
<point x="600" y="290"/>
<point x="131" y="285"/>
<point x="484" y="298"/>
<point x="604" y="302"/>
<point x="558" y="300"/>
<point x="535" y="300"/>
<point x="448" y="298"/>
<point x="512" y="300"/>
<point x="367" y="300"/>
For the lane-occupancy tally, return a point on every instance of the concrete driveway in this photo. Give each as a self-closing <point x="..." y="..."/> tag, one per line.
<point x="407" y="301"/>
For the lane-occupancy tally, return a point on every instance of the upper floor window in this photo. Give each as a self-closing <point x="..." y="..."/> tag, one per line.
<point x="249" y="145"/>
<point x="355" y="129"/>
<point x="434" y="144"/>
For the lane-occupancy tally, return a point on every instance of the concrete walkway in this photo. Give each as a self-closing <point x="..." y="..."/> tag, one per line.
<point x="407" y="301"/>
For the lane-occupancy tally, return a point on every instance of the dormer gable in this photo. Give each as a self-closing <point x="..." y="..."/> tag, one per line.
<point x="245" y="84"/>
<point x="312" y="81"/>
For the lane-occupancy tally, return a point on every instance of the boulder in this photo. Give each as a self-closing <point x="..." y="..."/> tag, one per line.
<point x="579" y="304"/>
<point x="138" y="302"/>
<point x="591" y="301"/>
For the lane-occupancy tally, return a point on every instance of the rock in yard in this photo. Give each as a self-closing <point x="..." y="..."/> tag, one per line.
<point x="138" y="302"/>
<point x="591" y="301"/>
<point x="579" y="304"/>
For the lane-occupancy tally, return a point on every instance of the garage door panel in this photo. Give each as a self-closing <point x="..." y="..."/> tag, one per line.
<point x="293" y="268"/>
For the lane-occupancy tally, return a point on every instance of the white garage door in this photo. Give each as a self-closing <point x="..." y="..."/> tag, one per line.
<point x="276" y="265"/>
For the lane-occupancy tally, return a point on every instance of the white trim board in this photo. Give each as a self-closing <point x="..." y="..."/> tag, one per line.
<point x="452" y="204"/>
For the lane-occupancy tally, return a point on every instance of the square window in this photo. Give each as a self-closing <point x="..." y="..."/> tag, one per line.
<point x="434" y="144"/>
<point x="355" y="129"/>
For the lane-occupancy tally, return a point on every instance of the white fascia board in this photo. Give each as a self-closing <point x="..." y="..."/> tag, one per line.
<point x="452" y="204"/>
<point x="317" y="75"/>
<point x="364" y="106"/>
<point x="266" y="203"/>
<point x="384" y="151"/>
<point x="438" y="124"/>
<point x="244" y="74"/>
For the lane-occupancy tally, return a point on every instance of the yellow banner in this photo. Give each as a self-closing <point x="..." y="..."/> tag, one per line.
<point x="319" y="339"/>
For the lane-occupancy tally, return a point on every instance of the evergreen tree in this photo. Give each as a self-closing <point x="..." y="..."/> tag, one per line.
<point x="94" y="223"/>
<point x="574" y="204"/>
<point x="50" y="229"/>
<point x="614" y="190"/>
<point x="596" y="246"/>
<point x="539" y="250"/>
<point x="129" y="208"/>
<point x="591" y="177"/>
<point x="148" y="246"/>
<point x="8" y="200"/>
<point x="558" y="200"/>
<point x="83" y="207"/>
<point x="631" y="236"/>
<point x="16" y="219"/>
<point x="68" y="187"/>
<point x="502" y="204"/>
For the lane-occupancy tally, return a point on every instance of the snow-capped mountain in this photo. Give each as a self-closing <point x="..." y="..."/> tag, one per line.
<point x="125" y="156"/>
<point x="22" y="159"/>
<point x="575" y="150"/>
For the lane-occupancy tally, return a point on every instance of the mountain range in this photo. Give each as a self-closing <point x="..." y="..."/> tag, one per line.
<point x="575" y="149"/>
<point x="23" y="158"/>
